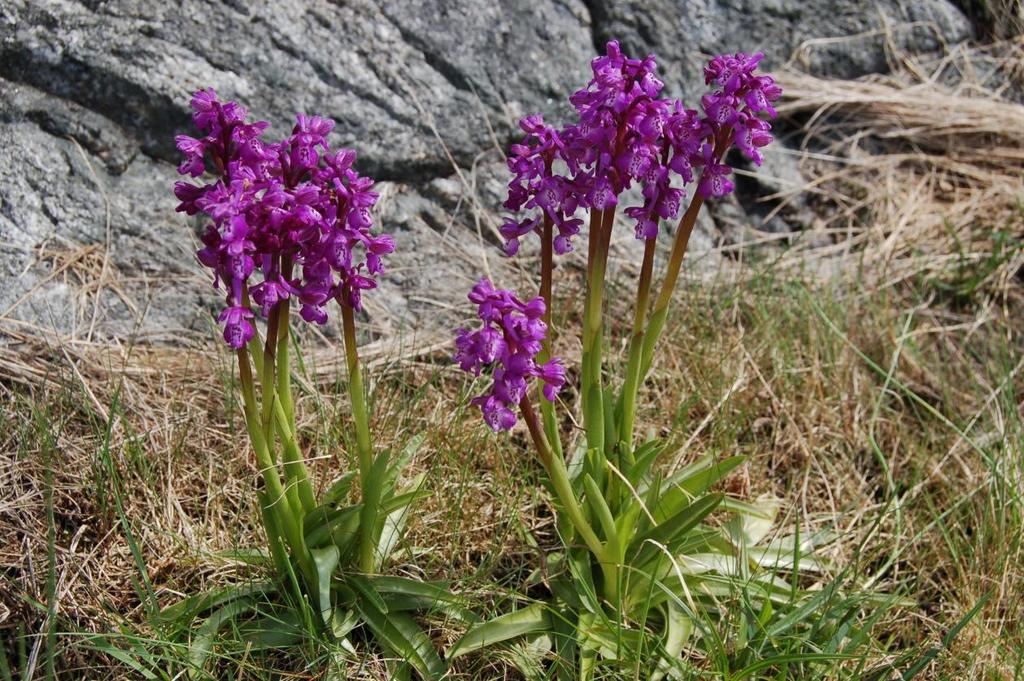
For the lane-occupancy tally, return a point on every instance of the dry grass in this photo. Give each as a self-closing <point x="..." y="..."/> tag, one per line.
<point x="914" y="174"/>
<point x="882" y="396"/>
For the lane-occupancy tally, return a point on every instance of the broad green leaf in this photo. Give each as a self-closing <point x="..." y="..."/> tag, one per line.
<point x="563" y="631"/>
<point x="337" y="527"/>
<point x="599" y="507"/>
<point x="754" y="520"/>
<point x="678" y="630"/>
<point x="681" y="488"/>
<point x="343" y="621"/>
<point x="391" y="535"/>
<point x="377" y="486"/>
<point x="533" y="619"/>
<point x="368" y="593"/>
<point x="577" y="461"/>
<point x="184" y="611"/>
<point x="776" y="558"/>
<point x="581" y="570"/>
<point x="338" y="491"/>
<point x="281" y="630"/>
<point x="393" y="468"/>
<point x="588" y="646"/>
<point x="400" y="593"/>
<point x="326" y="559"/>
<point x="629" y="514"/>
<point x="395" y="520"/>
<point x="675" y="527"/>
<point x="400" y="635"/>
<point x="646" y="454"/>
<point x="202" y="643"/>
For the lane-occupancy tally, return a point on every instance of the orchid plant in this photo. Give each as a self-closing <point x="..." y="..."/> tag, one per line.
<point x="638" y="553"/>
<point x="291" y="227"/>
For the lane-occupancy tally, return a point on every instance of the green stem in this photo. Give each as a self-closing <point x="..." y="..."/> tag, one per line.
<point x="284" y="374"/>
<point x="274" y="539"/>
<point x="675" y="263"/>
<point x="613" y="547"/>
<point x="632" y="383"/>
<point x="559" y="476"/>
<point x="294" y="466"/>
<point x="279" y="503"/>
<point x="592" y="389"/>
<point x="668" y="285"/>
<point x="267" y="380"/>
<point x="364" y="448"/>
<point x="547" y="409"/>
<point x="284" y="413"/>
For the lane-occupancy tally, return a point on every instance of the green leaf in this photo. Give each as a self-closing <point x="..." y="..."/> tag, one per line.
<point x="400" y="593"/>
<point x="398" y="464"/>
<point x="335" y="526"/>
<point x="343" y="621"/>
<point x="599" y="507"/>
<point x="338" y="492"/>
<point x="577" y="461"/>
<point x="754" y="520"/>
<point x="401" y="501"/>
<point x="280" y="630"/>
<point x="394" y="524"/>
<point x="588" y="646"/>
<point x="533" y="619"/>
<point x="780" y="660"/>
<point x="326" y="559"/>
<point x="257" y="557"/>
<point x="401" y="636"/>
<point x="564" y="634"/>
<point x="103" y="646"/>
<point x="202" y="643"/>
<point x="674" y="528"/>
<point x="365" y="589"/>
<point x="678" y="629"/>
<point x="692" y="481"/>
<point x="184" y="611"/>
<point x="645" y="456"/>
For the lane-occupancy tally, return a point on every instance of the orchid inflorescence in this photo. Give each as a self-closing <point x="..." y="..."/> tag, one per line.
<point x="511" y="338"/>
<point x="627" y="134"/>
<point x="278" y="205"/>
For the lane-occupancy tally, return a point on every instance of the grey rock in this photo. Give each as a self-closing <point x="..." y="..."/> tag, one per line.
<point x="400" y="80"/>
<point x="92" y="93"/>
<point x="836" y="38"/>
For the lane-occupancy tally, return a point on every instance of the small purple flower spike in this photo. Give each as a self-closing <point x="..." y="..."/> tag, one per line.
<point x="511" y="336"/>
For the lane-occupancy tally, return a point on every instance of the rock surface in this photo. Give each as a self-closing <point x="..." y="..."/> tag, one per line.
<point x="92" y="93"/>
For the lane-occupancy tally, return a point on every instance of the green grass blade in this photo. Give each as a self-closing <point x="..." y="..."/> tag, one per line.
<point x="930" y="655"/>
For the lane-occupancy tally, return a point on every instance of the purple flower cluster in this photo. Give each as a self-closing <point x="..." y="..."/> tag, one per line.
<point x="511" y="336"/>
<point x="627" y="133"/>
<point x="276" y="207"/>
